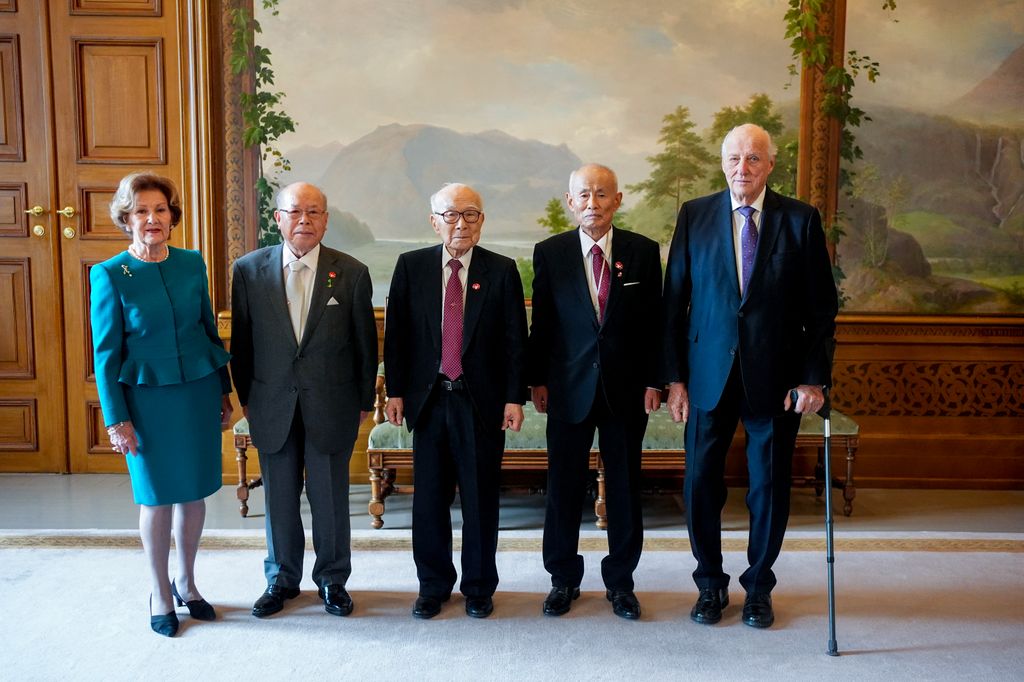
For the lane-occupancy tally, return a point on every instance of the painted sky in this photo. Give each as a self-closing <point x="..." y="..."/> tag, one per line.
<point x="595" y="74"/>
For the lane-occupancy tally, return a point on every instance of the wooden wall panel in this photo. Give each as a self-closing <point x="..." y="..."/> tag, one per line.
<point x="16" y="348"/>
<point x="123" y="8"/>
<point x="94" y="221"/>
<point x="13" y="219"/>
<point x="120" y="95"/>
<point x="90" y="366"/>
<point x="98" y="443"/>
<point x="8" y="5"/>
<point x="19" y="428"/>
<point x="12" y="132"/>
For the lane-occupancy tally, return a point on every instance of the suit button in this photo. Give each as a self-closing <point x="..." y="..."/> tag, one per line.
<point x="292" y="389"/>
<point x="596" y="365"/>
<point x="739" y="314"/>
<point x="732" y="351"/>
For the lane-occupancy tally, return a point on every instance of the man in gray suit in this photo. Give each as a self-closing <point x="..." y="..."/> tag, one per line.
<point x="304" y="362"/>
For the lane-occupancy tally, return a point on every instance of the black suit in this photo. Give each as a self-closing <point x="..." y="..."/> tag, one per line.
<point x="738" y="357"/>
<point x="596" y="376"/>
<point x="457" y="435"/>
<point x="304" y="400"/>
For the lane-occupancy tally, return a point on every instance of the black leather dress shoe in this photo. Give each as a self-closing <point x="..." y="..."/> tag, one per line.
<point x="559" y="600"/>
<point x="427" y="607"/>
<point x="337" y="601"/>
<point x="710" y="602"/>
<point x="199" y="609"/>
<point x="272" y="600"/>
<point x="757" y="610"/>
<point x="624" y="604"/>
<point x="479" y="607"/>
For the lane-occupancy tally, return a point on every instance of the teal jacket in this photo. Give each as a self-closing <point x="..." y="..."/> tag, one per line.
<point x="152" y="325"/>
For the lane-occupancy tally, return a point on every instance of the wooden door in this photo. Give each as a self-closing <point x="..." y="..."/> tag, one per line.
<point x="91" y="90"/>
<point x="117" y="90"/>
<point x="32" y="398"/>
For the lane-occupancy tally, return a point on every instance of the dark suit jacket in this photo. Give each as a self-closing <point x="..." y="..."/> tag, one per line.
<point x="780" y="328"/>
<point x="330" y="374"/>
<point x="493" y="337"/>
<point x="570" y="352"/>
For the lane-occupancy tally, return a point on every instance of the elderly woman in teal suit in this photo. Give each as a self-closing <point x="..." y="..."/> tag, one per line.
<point x="161" y="370"/>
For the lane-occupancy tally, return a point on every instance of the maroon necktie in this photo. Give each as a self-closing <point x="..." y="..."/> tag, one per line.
<point x="748" y="243"/>
<point x="602" y="280"/>
<point x="451" y="328"/>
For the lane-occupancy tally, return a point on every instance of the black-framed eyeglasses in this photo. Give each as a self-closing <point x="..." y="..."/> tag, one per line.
<point x="451" y="217"/>
<point x="295" y="214"/>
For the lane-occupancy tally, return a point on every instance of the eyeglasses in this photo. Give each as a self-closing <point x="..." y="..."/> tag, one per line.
<point x="295" y="214"/>
<point x="451" y="217"/>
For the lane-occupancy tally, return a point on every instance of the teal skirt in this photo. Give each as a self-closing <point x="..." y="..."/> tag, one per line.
<point x="178" y="427"/>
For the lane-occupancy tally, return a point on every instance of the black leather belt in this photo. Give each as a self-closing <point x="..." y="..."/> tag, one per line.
<point x="453" y="385"/>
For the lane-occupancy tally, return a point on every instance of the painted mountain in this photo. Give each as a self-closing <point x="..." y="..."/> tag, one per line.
<point x="936" y="220"/>
<point x="385" y="178"/>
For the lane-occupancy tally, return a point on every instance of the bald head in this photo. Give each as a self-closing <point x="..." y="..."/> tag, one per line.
<point x="748" y="157"/>
<point x="301" y="216"/>
<point x="305" y="189"/>
<point x="465" y="208"/>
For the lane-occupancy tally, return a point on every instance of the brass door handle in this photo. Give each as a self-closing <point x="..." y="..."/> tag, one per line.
<point x="69" y="233"/>
<point x="36" y="211"/>
<point x="38" y="230"/>
<point x="67" y="212"/>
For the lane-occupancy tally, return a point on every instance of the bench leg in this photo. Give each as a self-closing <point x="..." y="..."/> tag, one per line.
<point x="376" y="507"/>
<point x="849" y="489"/>
<point x="600" y="507"/>
<point x="242" y="491"/>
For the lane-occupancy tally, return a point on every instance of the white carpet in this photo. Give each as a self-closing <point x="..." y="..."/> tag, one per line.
<point x="81" y="613"/>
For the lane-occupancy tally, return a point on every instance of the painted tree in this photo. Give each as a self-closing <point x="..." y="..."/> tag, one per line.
<point x="555" y="217"/>
<point x="682" y="163"/>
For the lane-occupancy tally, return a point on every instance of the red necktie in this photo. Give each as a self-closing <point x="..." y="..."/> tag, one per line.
<point x="602" y="280"/>
<point x="451" y="328"/>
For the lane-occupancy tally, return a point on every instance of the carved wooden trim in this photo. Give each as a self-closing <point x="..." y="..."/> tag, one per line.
<point x="13" y="147"/>
<point x="29" y="439"/>
<point x="8" y="5"/>
<point x="122" y="8"/>
<point x="17" y="223"/>
<point x="97" y="441"/>
<point x="22" y="365"/>
<point x="237" y="184"/>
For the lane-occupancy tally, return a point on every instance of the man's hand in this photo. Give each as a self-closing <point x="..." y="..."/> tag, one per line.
<point x="513" y="417"/>
<point x="394" y="410"/>
<point x="652" y="400"/>
<point x="678" y="402"/>
<point x="539" y="396"/>
<point x="808" y="399"/>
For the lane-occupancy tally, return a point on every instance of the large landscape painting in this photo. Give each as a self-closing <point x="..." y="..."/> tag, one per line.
<point x="394" y="99"/>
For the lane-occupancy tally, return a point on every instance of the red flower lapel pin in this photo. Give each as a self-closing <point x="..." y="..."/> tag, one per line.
<point x="618" y="266"/>
<point x="475" y="286"/>
<point x="330" y="278"/>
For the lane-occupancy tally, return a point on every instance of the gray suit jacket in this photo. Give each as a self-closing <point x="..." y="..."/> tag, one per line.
<point x="330" y="374"/>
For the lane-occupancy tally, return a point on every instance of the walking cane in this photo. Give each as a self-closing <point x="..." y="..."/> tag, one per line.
<point x="825" y="413"/>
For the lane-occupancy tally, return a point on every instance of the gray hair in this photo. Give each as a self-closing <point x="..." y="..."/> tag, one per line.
<point x="435" y="198"/>
<point x="130" y="186"/>
<point x="772" y="149"/>
<point x="597" y="166"/>
<point x="287" y="191"/>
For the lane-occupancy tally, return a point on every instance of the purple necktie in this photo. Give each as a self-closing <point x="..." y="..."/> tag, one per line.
<point x="451" y="329"/>
<point x="748" y="242"/>
<point x="602" y="280"/>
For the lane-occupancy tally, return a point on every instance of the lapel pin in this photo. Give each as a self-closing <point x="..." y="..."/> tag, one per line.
<point x="126" y="271"/>
<point x="330" y="278"/>
<point x="475" y="286"/>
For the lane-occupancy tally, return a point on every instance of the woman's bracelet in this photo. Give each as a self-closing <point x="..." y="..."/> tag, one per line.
<point x="114" y="427"/>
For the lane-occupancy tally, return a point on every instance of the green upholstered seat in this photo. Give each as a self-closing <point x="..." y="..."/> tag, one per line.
<point x="241" y="427"/>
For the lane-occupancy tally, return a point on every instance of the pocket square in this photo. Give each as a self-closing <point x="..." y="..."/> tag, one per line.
<point x="629" y="284"/>
<point x="331" y="301"/>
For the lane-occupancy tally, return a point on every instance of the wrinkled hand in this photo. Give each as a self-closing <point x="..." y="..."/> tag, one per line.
<point x="513" y="417"/>
<point x="808" y="399"/>
<point x="123" y="438"/>
<point x="394" y="411"/>
<point x="678" y="402"/>
<point x="652" y="400"/>
<point x="539" y="396"/>
<point x="225" y="411"/>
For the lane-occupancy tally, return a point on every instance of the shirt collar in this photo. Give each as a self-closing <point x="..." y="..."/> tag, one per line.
<point x="758" y="203"/>
<point x="465" y="259"/>
<point x="309" y="260"/>
<point x="605" y="242"/>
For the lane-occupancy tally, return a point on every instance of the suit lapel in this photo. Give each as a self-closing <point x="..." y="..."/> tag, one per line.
<point x="623" y="255"/>
<point x="771" y="223"/>
<point x="577" y="274"/>
<point x="325" y="265"/>
<point x="272" y="274"/>
<point x="724" y="241"/>
<point x="433" y="274"/>
<point x="477" y="286"/>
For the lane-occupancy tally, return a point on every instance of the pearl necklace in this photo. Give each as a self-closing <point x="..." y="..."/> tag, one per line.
<point x="144" y="259"/>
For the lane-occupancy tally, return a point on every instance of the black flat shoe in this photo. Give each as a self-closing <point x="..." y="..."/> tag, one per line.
<point x="337" y="601"/>
<point x="624" y="604"/>
<point x="199" y="609"/>
<point x="272" y="600"/>
<point x="166" y="625"/>
<point x="479" y="607"/>
<point x="710" y="602"/>
<point x="757" y="610"/>
<point x="427" y="607"/>
<point x="559" y="600"/>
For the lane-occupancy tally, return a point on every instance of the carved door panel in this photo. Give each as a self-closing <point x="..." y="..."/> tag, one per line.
<point x="32" y="399"/>
<point x="117" y="102"/>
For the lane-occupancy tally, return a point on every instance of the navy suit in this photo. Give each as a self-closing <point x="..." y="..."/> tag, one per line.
<point x="738" y="356"/>
<point x="457" y="436"/>
<point x="596" y="375"/>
